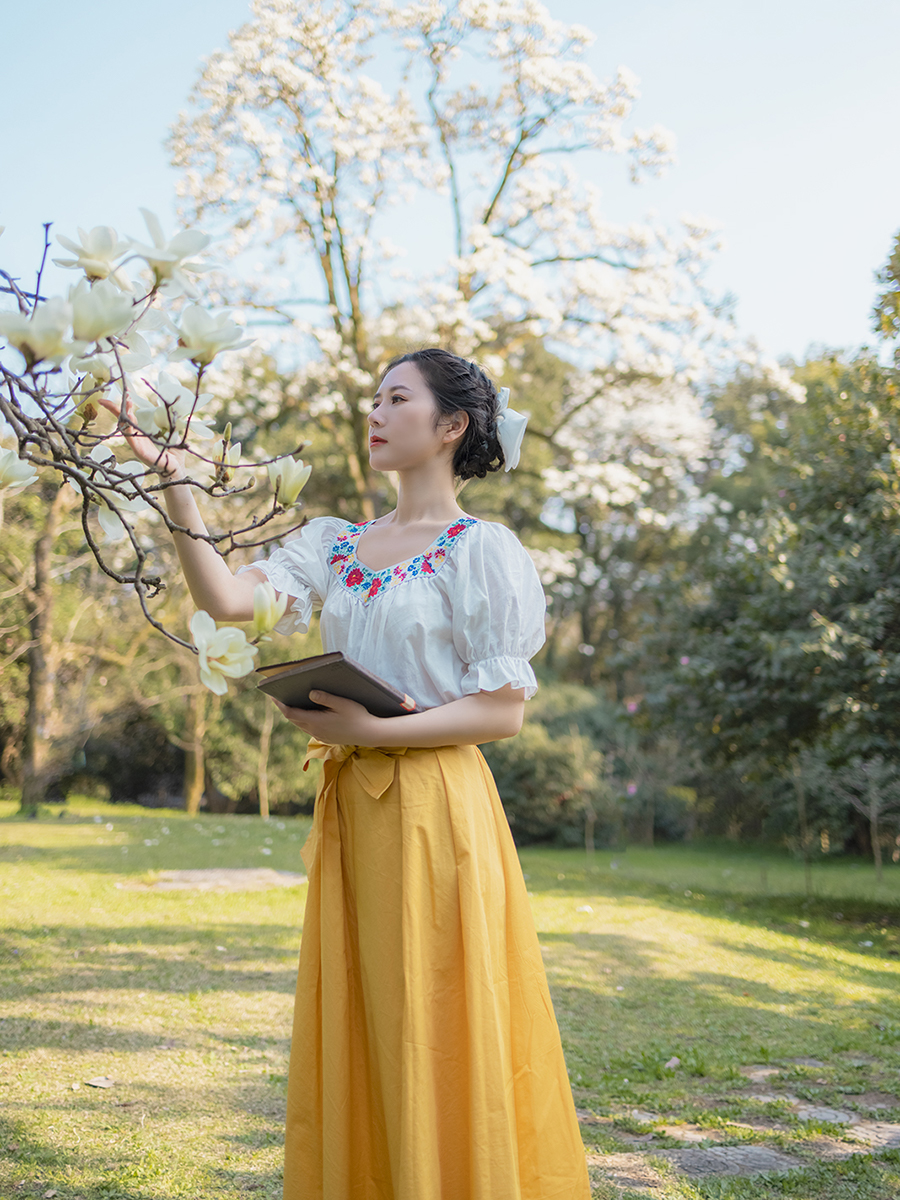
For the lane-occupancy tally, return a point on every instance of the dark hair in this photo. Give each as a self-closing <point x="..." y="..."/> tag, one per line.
<point x="461" y="386"/>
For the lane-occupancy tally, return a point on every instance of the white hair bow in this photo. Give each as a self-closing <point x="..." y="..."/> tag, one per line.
<point x="510" y="429"/>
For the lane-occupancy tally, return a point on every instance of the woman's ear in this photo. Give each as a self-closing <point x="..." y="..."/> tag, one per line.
<point x="456" y="426"/>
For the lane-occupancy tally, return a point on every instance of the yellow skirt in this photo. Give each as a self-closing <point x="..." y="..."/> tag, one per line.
<point x="426" y="1062"/>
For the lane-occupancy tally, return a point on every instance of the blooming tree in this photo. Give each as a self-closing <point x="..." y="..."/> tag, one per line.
<point x="319" y="117"/>
<point x="116" y="359"/>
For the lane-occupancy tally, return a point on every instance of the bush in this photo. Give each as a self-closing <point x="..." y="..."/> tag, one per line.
<point x="550" y="786"/>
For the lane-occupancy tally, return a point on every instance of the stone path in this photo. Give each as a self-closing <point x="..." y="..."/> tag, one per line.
<point x="218" y="879"/>
<point x="636" y="1170"/>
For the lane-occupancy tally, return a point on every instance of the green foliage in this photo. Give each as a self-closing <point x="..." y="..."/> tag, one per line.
<point x="886" y="313"/>
<point x="547" y="783"/>
<point x="792" y="633"/>
<point x="579" y="772"/>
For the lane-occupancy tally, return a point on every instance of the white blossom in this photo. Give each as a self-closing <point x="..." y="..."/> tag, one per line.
<point x="288" y="478"/>
<point x="170" y="409"/>
<point x="99" y="311"/>
<point x="169" y="260"/>
<point x="44" y="335"/>
<point x="268" y="608"/>
<point x="113" y="494"/>
<point x="96" y="254"/>
<point x="224" y="653"/>
<point x="201" y="336"/>
<point x="14" y="472"/>
<point x="226" y="458"/>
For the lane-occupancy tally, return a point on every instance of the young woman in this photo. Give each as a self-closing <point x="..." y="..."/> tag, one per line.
<point x="425" y="1061"/>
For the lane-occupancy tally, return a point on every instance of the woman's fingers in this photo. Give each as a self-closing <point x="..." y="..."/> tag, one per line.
<point x="160" y="459"/>
<point x="338" y="720"/>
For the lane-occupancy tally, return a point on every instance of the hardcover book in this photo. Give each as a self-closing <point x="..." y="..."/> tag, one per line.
<point x="291" y="683"/>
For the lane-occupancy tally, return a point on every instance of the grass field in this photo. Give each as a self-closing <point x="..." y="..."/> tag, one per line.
<point x="712" y="956"/>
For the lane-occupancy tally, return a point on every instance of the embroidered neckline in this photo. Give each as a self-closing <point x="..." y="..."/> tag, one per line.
<point x="366" y="584"/>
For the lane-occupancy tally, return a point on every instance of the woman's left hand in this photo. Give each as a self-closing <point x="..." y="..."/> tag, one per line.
<point x="340" y="722"/>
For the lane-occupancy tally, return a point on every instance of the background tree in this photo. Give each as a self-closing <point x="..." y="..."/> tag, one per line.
<point x="297" y="146"/>
<point x="784" y="635"/>
<point x="886" y="313"/>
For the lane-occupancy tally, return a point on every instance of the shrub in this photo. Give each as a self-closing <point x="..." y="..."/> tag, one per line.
<point x="550" y="785"/>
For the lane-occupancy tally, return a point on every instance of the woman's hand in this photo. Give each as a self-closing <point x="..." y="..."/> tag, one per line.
<point x="169" y="463"/>
<point x="342" y="722"/>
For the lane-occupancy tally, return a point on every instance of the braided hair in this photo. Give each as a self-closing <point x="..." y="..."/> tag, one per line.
<point x="462" y="386"/>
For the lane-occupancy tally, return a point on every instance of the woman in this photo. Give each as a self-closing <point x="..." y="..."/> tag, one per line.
<point x="425" y="1060"/>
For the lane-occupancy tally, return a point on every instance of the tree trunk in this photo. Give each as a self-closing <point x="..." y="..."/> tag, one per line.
<point x="37" y="751"/>
<point x="874" y="832"/>
<point x="194" y="762"/>
<point x="800" y="792"/>
<point x="262" y="774"/>
<point x="590" y="821"/>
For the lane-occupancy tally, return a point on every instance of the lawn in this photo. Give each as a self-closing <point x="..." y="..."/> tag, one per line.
<point x="777" y="1012"/>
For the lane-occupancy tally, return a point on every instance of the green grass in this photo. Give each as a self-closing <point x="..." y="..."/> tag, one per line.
<point x="712" y="955"/>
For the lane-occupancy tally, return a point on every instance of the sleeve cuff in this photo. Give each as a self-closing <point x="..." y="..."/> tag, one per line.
<point x="299" y="615"/>
<point x="493" y="673"/>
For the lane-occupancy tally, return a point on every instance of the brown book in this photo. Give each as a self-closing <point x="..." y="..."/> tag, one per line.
<point x="291" y="683"/>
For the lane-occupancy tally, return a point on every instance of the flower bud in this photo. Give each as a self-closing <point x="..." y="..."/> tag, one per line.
<point x="268" y="608"/>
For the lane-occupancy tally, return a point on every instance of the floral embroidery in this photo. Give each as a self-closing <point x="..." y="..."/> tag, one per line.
<point x="366" y="584"/>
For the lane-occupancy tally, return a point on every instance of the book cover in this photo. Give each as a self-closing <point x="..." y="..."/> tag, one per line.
<point x="291" y="683"/>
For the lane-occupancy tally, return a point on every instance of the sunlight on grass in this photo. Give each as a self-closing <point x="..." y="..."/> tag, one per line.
<point x="709" y="958"/>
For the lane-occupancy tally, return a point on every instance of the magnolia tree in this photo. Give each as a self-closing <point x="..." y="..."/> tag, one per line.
<point x="319" y="117"/>
<point x="119" y="362"/>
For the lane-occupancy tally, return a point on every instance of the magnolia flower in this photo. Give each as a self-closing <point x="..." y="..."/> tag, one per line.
<point x="226" y="458"/>
<point x="108" y="492"/>
<point x="168" y="259"/>
<point x="98" y="367"/>
<point x="42" y="336"/>
<point x="201" y="336"/>
<point x="101" y="366"/>
<point x="96" y="254"/>
<point x="288" y="479"/>
<point x="268" y="608"/>
<point x="87" y="403"/>
<point x="172" y="409"/>
<point x="222" y="652"/>
<point x="99" y="311"/>
<point x="14" y="473"/>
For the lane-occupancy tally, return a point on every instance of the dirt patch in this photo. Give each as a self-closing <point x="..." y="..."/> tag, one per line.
<point x="631" y="1172"/>
<point x="876" y="1100"/>
<point x="217" y="879"/>
<point x="758" y="1072"/>
<point x="693" y="1133"/>
<point x="878" y="1134"/>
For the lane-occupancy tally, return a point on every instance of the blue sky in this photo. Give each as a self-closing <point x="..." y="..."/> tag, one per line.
<point x="785" y="115"/>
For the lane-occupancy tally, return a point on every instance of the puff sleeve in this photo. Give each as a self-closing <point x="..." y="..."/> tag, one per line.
<point x="300" y="568"/>
<point x="498" y="609"/>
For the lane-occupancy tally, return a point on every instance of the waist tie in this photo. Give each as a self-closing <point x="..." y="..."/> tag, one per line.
<point x="372" y="768"/>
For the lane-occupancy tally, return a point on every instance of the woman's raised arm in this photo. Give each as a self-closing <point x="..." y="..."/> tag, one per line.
<point x="212" y="584"/>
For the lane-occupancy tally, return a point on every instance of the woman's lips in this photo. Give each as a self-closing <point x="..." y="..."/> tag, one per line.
<point x="377" y="441"/>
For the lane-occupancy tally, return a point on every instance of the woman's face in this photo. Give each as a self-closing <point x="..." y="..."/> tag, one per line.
<point x="402" y="432"/>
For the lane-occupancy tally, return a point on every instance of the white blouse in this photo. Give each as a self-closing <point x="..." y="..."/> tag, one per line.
<point x="464" y="616"/>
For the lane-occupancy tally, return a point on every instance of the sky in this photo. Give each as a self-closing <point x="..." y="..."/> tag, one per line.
<point x="785" y="116"/>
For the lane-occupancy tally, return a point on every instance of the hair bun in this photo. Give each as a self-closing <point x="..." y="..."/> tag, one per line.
<point x="462" y="386"/>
